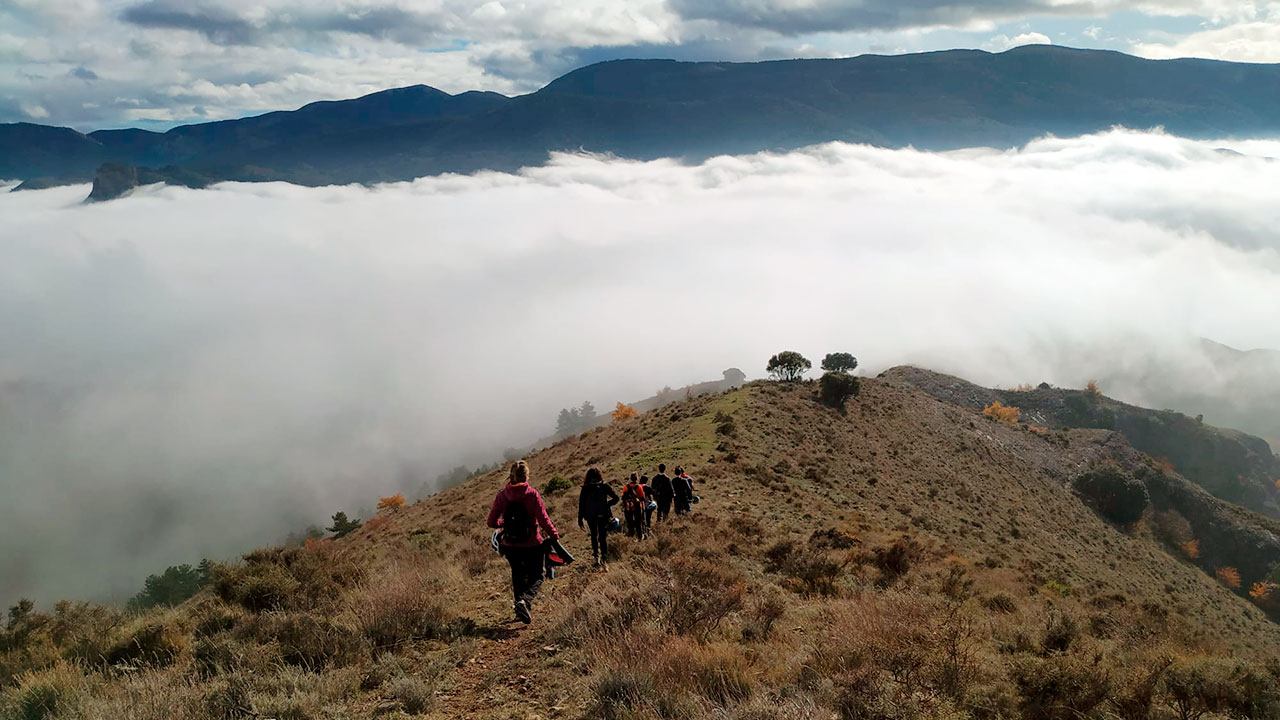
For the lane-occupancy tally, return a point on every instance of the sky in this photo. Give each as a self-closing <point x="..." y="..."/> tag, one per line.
<point x="192" y="373"/>
<point x="92" y="64"/>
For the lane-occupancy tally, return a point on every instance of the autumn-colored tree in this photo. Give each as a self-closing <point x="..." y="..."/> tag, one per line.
<point x="624" y="412"/>
<point x="1265" y="592"/>
<point x="1092" y="388"/>
<point x="388" y="505"/>
<point x="1191" y="548"/>
<point x="1006" y="414"/>
<point x="1228" y="576"/>
<point x="1025" y="387"/>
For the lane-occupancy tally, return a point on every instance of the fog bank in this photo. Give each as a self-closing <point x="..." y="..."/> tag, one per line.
<point x="189" y="373"/>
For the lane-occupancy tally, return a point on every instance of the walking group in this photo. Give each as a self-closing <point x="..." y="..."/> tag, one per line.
<point x="526" y="537"/>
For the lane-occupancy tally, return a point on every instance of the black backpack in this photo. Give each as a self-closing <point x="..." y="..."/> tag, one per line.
<point x="517" y="526"/>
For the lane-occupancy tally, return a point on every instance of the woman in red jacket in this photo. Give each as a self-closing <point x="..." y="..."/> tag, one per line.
<point x="519" y="512"/>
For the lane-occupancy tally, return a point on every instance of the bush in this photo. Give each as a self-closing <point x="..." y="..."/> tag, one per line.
<point x="761" y="615"/>
<point x="415" y="695"/>
<point x="1000" y="412"/>
<point x="788" y="366"/>
<point x="155" y="643"/>
<point x="42" y="694"/>
<point x="701" y="594"/>
<point x="1113" y="493"/>
<point x="836" y="388"/>
<point x="289" y="578"/>
<point x="308" y="641"/>
<point x="895" y="560"/>
<point x="1236" y="688"/>
<point x="556" y="485"/>
<point x="405" y="608"/>
<point x="618" y="692"/>
<point x="1060" y="687"/>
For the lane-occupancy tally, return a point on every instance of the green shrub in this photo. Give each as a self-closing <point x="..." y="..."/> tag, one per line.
<point x="1224" y="686"/>
<point x="836" y="388"/>
<point x="415" y="695"/>
<point x="154" y="643"/>
<point x="1113" y="493"/>
<point x="556" y="485"/>
<point x="308" y="641"/>
<point x="40" y="695"/>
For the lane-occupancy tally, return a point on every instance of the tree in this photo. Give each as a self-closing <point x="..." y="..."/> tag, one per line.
<point x="586" y="413"/>
<point x="1113" y="493"/>
<point x="837" y="387"/>
<point x="343" y="527"/>
<point x="389" y="505"/>
<point x="788" y="366"/>
<point x="174" y="586"/>
<point x="839" y="363"/>
<point x="624" y="412"/>
<point x="567" y="422"/>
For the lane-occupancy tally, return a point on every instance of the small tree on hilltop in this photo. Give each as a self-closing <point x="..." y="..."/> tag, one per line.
<point x="839" y="363"/>
<point x="624" y="412"/>
<point x="342" y="526"/>
<point x="788" y="366"/>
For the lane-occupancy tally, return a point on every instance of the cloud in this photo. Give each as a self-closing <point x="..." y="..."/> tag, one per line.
<point x="258" y="356"/>
<point x="1000" y="43"/>
<point x="1257" y="42"/>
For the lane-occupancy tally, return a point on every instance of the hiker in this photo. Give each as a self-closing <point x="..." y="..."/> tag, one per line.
<point x="650" y="504"/>
<point x="594" y="507"/>
<point x="683" y="486"/>
<point x="519" y="512"/>
<point x="663" y="492"/>
<point x="633" y="502"/>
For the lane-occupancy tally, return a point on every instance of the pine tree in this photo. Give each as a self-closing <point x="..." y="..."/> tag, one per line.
<point x="342" y="526"/>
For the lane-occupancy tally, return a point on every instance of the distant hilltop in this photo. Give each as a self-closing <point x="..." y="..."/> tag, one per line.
<point x="661" y="108"/>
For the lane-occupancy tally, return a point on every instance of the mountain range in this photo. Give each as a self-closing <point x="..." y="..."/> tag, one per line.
<point x="660" y="108"/>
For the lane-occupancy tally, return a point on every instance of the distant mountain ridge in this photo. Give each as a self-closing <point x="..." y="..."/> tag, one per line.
<point x="663" y="108"/>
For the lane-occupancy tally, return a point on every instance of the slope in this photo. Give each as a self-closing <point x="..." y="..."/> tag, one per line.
<point x="905" y="558"/>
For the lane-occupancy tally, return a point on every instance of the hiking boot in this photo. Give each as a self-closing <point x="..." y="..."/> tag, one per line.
<point x="522" y="612"/>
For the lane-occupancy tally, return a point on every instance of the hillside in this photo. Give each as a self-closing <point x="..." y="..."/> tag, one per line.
<point x="905" y="558"/>
<point x="662" y="108"/>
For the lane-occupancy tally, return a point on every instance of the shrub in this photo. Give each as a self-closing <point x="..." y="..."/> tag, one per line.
<point x="389" y="505"/>
<point x="788" y="366"/>
<point x="557" y="484"/>
<point x="1000" y="412"/>
<point x="702" y="594"/>
<point x="624" y="412"/>
<point x="1228" y="576"/>
<point x="1001" y="602"/>
<point x="812" y="569"/>
<point x="839" y="363"/>
<point x="154" y="643"/>
<point x="289" y="578"/>
<point x="404" y="608"/>
<point x="1113" y="493"/>
<point x="618" y="692"/>
<point x="307" y="641"/>
<point x="1059" y="632"/>
<point x="836" y="388"/>
<point x="1060" y="687"/>
<point x="762" y="614"/>
<point x="895" y="560"/>
<point x="41" y="694"/>
<point x="414" y="694"/>
<point x="1236" y="688"/>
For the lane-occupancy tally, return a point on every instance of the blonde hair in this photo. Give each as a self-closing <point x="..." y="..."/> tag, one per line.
<point x="519" y="472"/>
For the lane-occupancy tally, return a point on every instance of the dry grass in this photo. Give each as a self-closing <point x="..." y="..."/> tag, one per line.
<point x="905" y="560"/>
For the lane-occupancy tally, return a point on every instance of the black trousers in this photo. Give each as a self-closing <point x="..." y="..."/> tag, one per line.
<point x="599" y="527"/>
<point x="526" y="571"/>
<point x="664" y="507"/>
<point x="682" y="505"/>
<point x="635" y="523"/>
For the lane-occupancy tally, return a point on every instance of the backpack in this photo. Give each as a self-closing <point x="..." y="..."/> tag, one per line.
<point x="517" y="526"/>
<point x="632" y="497"/>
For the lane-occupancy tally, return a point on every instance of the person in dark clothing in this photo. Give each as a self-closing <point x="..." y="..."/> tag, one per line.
<point x="683" y="486"/>
<point x="650" y="505"/>
<point x="633" y="502"/>
<point x="663" y="492"/>
<point x="521" y="515"/>
<point x="594" y="508"/>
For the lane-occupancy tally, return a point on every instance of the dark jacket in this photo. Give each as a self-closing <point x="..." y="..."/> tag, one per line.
<point x="683" y="485"/>
<point x="662" y="486"/>
<point x="532" y="501"/>
<point x="595" y="500"/>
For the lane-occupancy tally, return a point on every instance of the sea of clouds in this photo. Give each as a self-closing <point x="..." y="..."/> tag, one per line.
<point x="190" y="373"/>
